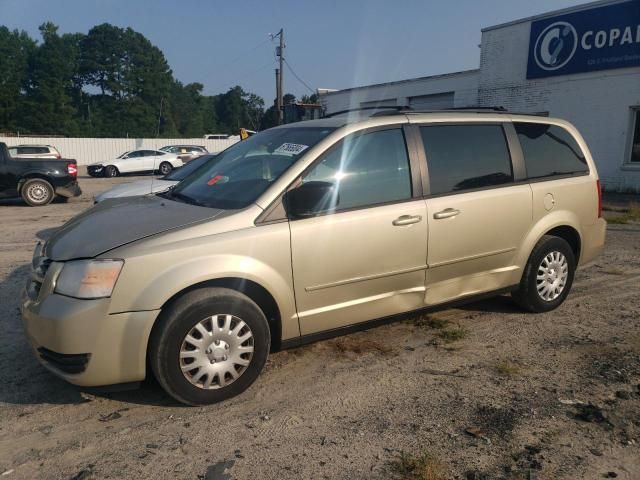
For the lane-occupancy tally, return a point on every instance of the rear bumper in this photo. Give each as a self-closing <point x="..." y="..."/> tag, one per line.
<point x="70" y="190"/>
<point x="593" y="237"/>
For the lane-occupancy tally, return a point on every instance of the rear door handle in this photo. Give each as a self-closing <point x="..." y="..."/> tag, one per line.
<point x="406" y="220"/>
<point x="446" y="213"/>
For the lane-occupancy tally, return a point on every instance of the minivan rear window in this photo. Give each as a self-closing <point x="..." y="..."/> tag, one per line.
<point x="466" y="157"/>
<point x="549" y="150"/>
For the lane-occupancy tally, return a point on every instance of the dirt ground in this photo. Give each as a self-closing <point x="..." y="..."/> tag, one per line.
<point x="478" y="393"/>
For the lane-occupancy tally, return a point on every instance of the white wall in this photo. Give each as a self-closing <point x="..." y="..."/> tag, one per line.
<point x="598" y="103"/>
<point x="464" y="85"/>
<point x="92" y="150"/>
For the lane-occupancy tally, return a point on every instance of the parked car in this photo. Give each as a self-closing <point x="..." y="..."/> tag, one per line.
<point x="144" y="187"/>
<point x="136" y="161"/>
<point x="216" y="136"/>
<point x="37" y="180"/>
<point x="34" y="151"/>
<point x="185" y="152"/>
<point x="309" y="230"/>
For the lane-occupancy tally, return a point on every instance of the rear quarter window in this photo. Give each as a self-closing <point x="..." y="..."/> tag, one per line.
<point x="549" y="151"/>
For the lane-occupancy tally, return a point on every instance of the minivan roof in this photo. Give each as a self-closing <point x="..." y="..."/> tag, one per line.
<point x="360" y="116"/>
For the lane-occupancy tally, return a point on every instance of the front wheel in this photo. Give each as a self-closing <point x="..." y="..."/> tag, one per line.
<point x="210" y="345"/>
<point x="111" y="171"/>
<point x="548" y="275"/>
<point x="165" y="168"/>
<point x="37" y="192"/>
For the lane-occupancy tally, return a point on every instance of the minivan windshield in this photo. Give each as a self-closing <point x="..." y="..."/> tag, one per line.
<point x="242" y="172"/>
<point x="181" y="173"/>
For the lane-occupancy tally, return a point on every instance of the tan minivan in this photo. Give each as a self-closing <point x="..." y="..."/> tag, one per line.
<point x="309" y="230"/>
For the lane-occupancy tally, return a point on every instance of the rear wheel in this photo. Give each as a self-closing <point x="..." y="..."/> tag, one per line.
<point x="111" y="171"/>
<point x="548" y="275"/>
<point x="165" y="168"/>
<point x="37" y="192"/>
<point x="210" y="345"/>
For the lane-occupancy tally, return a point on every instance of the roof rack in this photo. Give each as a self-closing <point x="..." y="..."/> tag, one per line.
<point x="409" y="110"/>
<point x="395" y="108"/>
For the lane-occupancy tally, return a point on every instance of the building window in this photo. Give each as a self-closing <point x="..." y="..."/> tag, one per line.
<point x="635" y="135"/>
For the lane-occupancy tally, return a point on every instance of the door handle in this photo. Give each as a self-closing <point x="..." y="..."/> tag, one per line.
<point x="406" y="220"/>
<point x="446" y="213"/>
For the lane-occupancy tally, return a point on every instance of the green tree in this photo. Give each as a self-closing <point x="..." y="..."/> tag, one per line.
<point x="15" y="49"/>
<point x="52" y="84"/>
<point x="128" y="68"/>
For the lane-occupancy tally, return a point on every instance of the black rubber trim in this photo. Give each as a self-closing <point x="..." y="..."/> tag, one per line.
<point x="67" y="363"/>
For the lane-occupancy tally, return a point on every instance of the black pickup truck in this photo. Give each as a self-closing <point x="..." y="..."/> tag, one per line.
<point x="36" y="180"/>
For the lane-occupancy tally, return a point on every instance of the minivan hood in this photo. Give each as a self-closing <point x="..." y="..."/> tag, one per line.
<point x="140" y="187"/>
<point x="116" y="222"/>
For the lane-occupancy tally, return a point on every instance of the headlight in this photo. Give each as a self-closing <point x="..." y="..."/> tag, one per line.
<point x="88" y="278"/>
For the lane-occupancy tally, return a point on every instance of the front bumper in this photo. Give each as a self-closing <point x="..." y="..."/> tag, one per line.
<point x="80" y="341"/>
<point x="95" y="170"/>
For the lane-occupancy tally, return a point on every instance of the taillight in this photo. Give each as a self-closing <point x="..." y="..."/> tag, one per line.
<point x="72" y="169"/>
<point x="599" y="198"/>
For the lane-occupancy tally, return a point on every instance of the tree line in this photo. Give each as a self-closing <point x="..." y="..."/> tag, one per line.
<point x="111" y="82"/>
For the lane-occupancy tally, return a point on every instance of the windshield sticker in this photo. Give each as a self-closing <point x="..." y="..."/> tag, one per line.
<point x="290" y="149"/>
<point x="215" y="180"/>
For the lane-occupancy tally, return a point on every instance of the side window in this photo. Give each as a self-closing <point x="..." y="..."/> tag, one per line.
<point x="367" y="169"/>
<point x="464" y="157"/>
<point x="135" y="154"/>
<point x="44" y="150"/>
<point x="549" y="150"/>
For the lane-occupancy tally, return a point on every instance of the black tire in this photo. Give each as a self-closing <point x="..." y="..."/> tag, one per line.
<point x="111" y="171"/>
<point x="527" y="295"/>
<point x="165" y="168"/>
<point x="37" y="192"/>
<point x="180" y="318"/>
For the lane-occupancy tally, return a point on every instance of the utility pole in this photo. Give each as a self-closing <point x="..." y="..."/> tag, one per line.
<point x="279" y="76"/>
<point x="278" y="96"/>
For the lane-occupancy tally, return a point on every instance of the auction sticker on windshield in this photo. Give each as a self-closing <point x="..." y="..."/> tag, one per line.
<point x="290" y="149"/>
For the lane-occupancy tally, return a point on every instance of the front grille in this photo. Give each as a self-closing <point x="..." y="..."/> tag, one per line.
<point x="74" y="363"/>
<point x="39" y="268"/>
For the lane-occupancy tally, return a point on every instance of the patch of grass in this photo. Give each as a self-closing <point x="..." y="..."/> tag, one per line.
<point x="358" y="346"/>
<point x="418" y="467"/>
<point x="618" y="220"/>
<point x="613" y="271"/>
<point x="507" y="368"/>
<point x="454" y="334"/>
<point x="430" y="322"/>
<point x="630" y="213"/>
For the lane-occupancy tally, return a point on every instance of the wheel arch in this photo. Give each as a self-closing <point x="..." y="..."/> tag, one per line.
<point x="563" y="224"/>
<point x="30" y="176"/>
<point x="256" y="292"/>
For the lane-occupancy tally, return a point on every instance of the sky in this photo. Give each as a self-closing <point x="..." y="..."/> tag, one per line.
<point x="329" y="43"/>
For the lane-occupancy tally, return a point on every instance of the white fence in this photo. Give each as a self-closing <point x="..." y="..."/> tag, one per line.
<point x="92" y="150"/>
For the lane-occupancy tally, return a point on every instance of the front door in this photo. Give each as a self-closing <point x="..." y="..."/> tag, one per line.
<point x="478" y="217"/>
<point x="366" y="259"/>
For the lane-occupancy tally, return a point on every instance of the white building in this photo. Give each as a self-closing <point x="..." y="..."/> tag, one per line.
<point x="581" y="64"/>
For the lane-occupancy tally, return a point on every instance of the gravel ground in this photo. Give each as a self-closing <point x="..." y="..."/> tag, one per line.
<point x="482" y="392"/>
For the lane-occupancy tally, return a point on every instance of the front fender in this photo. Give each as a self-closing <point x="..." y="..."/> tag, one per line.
<point x="152" y="277"/>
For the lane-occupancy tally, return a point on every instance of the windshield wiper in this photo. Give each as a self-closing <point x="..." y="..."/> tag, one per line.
<point x="171" y="195"/>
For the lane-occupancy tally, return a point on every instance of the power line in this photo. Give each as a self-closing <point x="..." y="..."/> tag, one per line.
<point x="241" y="75"/>
<point x="243" y="54"/>
<point x="297" y="77"/>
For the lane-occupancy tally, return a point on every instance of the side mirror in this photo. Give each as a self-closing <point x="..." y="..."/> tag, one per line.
<point x="310" y="199"/>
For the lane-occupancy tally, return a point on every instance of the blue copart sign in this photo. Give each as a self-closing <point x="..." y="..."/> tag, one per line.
<point x="599" y="38"/>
